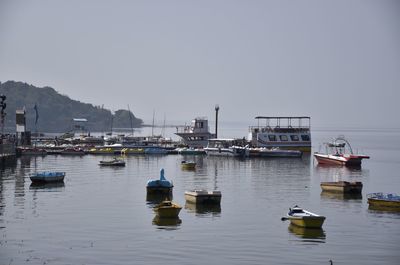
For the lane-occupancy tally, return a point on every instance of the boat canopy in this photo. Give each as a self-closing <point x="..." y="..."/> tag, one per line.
<point x="285" y="121"/>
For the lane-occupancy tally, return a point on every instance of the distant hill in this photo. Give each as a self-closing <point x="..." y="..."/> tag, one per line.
<point x="56" y="111"/>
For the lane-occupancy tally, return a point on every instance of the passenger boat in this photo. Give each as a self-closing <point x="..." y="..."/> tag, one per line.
<point x="293" y="133"/>
<point x="197" y="134"/>
<point x="203" y="196"/>
<point x="342" y="186"/>
<point x="188" y="164"/>
<point x="339" y="152"/>
<point x="386" y="201"/>
<point x="273" y="152"/>
<point x="226" y="147"/>
<point x="47" y="176"/>
<point x="114" y="162"/>
<point x="303" y="218"/>
<point x="167" y="209"/>
<point x="161" y="185"/>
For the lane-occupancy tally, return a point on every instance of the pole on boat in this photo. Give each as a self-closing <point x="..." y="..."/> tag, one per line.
<point x="216" y="120"/>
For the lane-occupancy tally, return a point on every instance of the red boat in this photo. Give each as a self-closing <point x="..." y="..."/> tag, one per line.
<point x="339" y="152"/>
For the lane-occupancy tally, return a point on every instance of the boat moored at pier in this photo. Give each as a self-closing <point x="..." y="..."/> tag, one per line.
<point x="293" y="133"/>
<point x="227" y="147"/>
<point x="197" y="134"/>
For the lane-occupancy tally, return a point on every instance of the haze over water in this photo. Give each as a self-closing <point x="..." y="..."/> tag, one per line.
<point x="101" y="216"/>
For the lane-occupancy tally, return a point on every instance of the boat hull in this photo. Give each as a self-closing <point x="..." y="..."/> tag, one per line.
<point x="382" y="201"/>
<point x="342" y="187"/>
<point x="307" y="221"/>
<point x="47" y="177"/>
<point x="351" y="160"/>
<point x="203" y="197"/>
<point x="167" y="209"/>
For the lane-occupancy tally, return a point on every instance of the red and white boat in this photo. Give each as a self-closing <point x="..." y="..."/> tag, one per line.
<point x="339" y="152"/>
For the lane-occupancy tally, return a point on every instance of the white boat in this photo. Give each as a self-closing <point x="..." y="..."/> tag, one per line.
<point x="339" y="152"/>
<point x="291" y="133"/>
<point x="203" y="196"/>
<point x="114" y="162"/>
<point x="299" y="217"/>
<point x="274" y="152"/>
<point x="226" y="147"/>
<point x="197" y="134"/>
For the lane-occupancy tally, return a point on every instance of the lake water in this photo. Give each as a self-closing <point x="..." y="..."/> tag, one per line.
<point x="101" y="215"/>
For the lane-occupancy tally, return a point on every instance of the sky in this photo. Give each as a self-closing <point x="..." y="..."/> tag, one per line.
<point x="335" y="61"/>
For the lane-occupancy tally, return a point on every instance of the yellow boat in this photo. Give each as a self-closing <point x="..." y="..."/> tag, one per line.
<point x="167" y="209"/>
<point x="190" y="165"/>
<point x="342" y="186"/>
<point x="384" y="201"/>
<point x="303" y="218"/>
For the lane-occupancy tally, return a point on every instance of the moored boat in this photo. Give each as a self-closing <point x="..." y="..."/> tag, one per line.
<point x="203" y="196"/>
<point x="339" y="152"/>
<point x="114" y="162"/>
<point x="292" y="133"/>
<point x="342" y="186"/>
<point x="298" y="216"/>
<point x="47" y="176"/>
<point x="190" y="165"/>
<point x="31" y="151"/>
<point x="159" y="185"/>
<point x="385" y="201"/>
<point x="227" y="147"/>
<point x="73" y="151"/>
<point x="274" y="152"/>
<point x="191" y="151"/>
<point x="167" y="209"/>
<point x="197" y="134"/>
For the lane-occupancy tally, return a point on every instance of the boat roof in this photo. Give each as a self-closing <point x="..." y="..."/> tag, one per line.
<point x="282" y="117"/>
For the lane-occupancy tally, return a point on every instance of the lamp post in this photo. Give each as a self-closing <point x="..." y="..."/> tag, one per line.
<point x="216" y="120"/>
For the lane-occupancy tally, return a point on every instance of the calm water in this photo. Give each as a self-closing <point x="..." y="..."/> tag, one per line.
<point x="101" y="216"/>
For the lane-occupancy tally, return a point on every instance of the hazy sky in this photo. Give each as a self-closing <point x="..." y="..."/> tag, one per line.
<point x="336" y="61"/>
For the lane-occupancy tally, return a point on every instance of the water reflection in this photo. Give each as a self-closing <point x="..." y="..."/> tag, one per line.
<point x="204" y="209"/>
<point x="341" y="196"/>
<point x="316" y="235"/>
<point x="47" y="187"/>
<point x="338" y="173"/>
<point x="155" y="198"/>
<point x="167" y="223"/>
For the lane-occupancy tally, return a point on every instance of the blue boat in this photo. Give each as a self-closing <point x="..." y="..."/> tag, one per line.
<point x="159" y="185"/>
<point x="47" y="176"/>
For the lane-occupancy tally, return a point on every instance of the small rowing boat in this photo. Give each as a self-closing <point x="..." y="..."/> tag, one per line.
<point x="381" y="200"/>
<point x="298" y="216"/>
<point x="46" y="177"/>
<point x="167" y="209"/>
<point x="114" y="162"/>
<point x="190" y="165"/>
